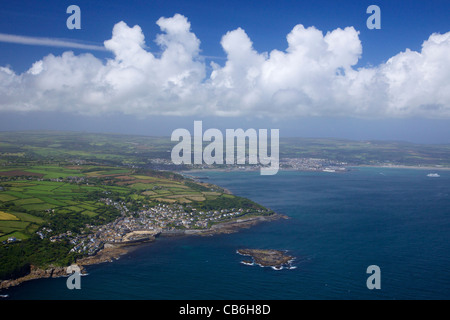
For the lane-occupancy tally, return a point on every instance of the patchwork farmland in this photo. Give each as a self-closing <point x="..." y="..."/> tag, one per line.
<point x="30" y="196"/>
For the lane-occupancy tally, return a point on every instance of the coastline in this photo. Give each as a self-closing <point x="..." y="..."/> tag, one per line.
<point x="38" y="273"/>
<point x="401" y="167"/>
<point x="112" y="252"/>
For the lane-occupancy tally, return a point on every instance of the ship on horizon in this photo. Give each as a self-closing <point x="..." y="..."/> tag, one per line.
<point x="433" y="175"/>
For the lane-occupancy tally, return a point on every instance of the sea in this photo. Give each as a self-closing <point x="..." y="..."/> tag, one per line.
<point x="339" y="225"/>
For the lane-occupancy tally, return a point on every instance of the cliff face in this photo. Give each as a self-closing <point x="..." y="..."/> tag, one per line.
<point x="37" y="273"/>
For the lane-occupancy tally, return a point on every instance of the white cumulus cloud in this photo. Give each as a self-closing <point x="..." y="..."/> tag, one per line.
<point x="314" y="75"/>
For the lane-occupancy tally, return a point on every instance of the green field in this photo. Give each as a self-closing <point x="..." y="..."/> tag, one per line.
<point x="18" y="224"/>
<point x="7" y="216"/>
<point x="6" y="197"/>
<point x="27" y="201"/>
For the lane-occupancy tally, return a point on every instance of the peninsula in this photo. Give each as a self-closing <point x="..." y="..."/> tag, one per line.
<point x="55" y="212"/>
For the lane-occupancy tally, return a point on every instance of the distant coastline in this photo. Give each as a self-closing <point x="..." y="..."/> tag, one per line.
<point x="403" y="167"/>
<point x="348" y="168"/>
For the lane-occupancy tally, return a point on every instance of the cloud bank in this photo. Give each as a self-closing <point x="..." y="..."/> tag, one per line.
<point x="314" y="76"/>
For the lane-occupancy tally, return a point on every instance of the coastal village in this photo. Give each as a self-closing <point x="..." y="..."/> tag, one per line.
<point x="145" y="225"/>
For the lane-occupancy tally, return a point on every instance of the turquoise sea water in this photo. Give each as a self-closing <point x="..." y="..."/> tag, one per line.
<point x="339" y="224"/>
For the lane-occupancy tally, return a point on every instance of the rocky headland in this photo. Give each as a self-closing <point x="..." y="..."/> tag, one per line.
<point x="39" y="273"/>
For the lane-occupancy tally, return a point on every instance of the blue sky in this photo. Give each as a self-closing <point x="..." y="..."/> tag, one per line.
<point x="264" y="24"/>
<point x="405" y="24"/>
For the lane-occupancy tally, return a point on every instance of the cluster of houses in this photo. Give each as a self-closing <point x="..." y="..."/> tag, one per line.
<point x="175" y="216"/>
<point x="44" y="232"/>
<point x="89" y="244"/>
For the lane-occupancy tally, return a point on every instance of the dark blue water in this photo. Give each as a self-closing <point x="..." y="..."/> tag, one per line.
<point x="339" y="225"/>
